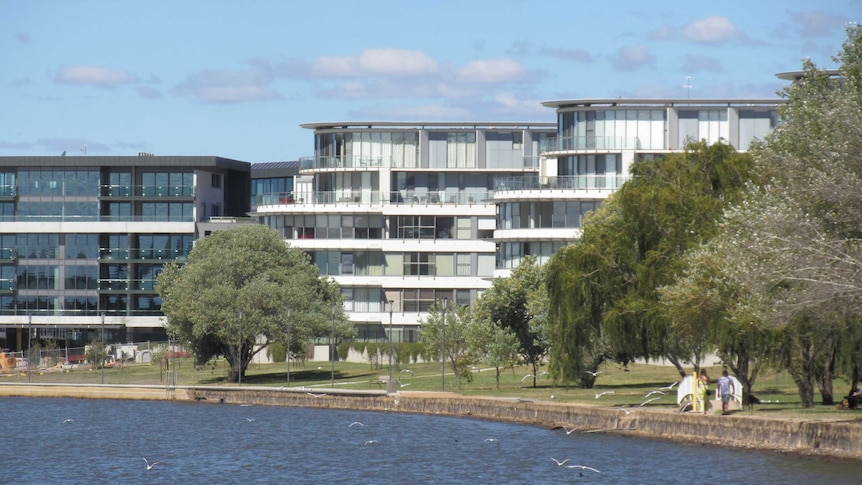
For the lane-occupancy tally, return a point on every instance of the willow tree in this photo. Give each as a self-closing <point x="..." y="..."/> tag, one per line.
<point x="231" y="297"/>
<point x="604" y="288"/>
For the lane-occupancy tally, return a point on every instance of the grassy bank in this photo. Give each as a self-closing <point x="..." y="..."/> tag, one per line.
<point x="624" y="387"/>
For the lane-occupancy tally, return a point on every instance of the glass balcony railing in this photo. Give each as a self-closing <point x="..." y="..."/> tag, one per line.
<point x="127" y="285"/>
<point x="507" y="160"/>
<point x="573" y="182"/>
<point x="154" y="254"/>
<point x="153" y="191"/>
<point x="375" y="198"/>
<point x="8" y="191"/>
<point x="573" y="143"/>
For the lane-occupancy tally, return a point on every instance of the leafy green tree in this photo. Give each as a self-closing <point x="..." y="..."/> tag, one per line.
<point x="496" y="346"/>
<point x="506" y="303"/>
<point x="604" y="300"/>
<point x="455" y="346"/>
<point x="797" y="239"/>
<point x="231" y="297"/>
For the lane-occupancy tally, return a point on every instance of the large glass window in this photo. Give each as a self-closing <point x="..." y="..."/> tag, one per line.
<point x="167" y="184"/>
<point x="81" y="277"/>
<point x="167" y="211"/>
<point x="38" y="246"/>
<point x="58" y="183"/>
<point x="82" y="246"/>
<point x="419" y="264"/>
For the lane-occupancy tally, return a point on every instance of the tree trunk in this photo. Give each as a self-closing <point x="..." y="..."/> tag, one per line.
<point x="824" y="380"/>
<point x="498" y="378"/>
<point x="676" y="363"/>
<point x="742" y="368"/>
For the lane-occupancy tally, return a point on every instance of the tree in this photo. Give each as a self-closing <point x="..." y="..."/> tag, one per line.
<point x="604" y="300"/>
<point x="235" y="289"/>
<point x="506" y="304"/>
<point x="497" y="346"/>
<point x="797" y="239"/>
<point x="455" y="347"/>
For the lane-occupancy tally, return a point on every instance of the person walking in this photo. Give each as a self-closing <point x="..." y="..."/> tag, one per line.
<point x="703" y="389"/>
<point x="726" y="388"/>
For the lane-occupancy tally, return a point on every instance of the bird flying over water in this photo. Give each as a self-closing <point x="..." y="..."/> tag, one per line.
<point x="570" y="431"/>
<point x="150" y="465"/>
<point x="560" y="463"/>
<point x="355" y="423"/>
<point x="584" y="467"/>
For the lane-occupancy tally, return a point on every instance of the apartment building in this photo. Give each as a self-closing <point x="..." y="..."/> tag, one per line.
<point x="83" y="238"/>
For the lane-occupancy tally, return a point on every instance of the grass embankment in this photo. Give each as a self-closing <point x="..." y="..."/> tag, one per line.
<point x="623" y="386"/>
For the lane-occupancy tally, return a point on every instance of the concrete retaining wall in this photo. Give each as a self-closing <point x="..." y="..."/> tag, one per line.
<point x="829" y="438"/>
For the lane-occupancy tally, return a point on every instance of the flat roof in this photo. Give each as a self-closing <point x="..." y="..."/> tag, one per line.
<point x="796" y="75"/>
<point x="333" y="125"/>
<point x="124" y="161"/>
<point x="663" y="102"/>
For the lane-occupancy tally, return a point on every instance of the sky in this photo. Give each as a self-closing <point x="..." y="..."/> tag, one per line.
<point x="237" y="78"/>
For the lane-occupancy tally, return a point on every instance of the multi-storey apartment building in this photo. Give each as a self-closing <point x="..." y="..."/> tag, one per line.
<point x="401" y="215"/>
<point x="596" y="143"/>
<point x="82" y="239"/>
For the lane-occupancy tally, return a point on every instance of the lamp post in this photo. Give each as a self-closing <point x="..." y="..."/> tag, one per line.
<point x="30" y="345"/>
<point x="287" y="354"/>
<point x="332" y="348"/>
<point x="390" y="340"/>
<point x="239" y="352"/>
<point x="104" y="347"/>
<point x="443" y="348"/>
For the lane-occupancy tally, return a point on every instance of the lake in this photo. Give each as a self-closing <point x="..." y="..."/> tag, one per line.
<point x="107" y="441"/>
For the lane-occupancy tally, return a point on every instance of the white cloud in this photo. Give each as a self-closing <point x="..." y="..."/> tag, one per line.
<point x="711" y="30"/>
<point x="92" y="75"/>
<point x="492" y="71"/>
<point x="631" y="58"/>
<point x="393" y="62"/>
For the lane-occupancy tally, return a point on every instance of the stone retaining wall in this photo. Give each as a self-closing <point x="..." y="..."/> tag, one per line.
<point x="829" y="438"/>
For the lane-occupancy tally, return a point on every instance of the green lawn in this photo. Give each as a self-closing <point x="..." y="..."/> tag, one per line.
<point x="624" y="386"/>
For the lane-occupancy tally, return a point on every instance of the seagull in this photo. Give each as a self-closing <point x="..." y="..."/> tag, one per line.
<point x="594" y="374"/>
<point x="249" y="419"/>
<point x="653" y="392"/>
<point x="544" y="373"/>
<point x="406" y="370"/>
<point x="404" y="384"/>
<point x="627" y="411"/>
<point x="70" y="420"/>
<point x="355" y="423"/>
<point x="570" y="431"/>
<point x="150" y="465"/>
<point x="600" y="394"/>
<point x="560" y="463"/>
<point x="584" y="467"/>
<point x="371" y="442"/>
<point x="315" y="395"/>
<point x="670" y="387"/>
<point x="491" y="440"/>
<point x="527" y="377"/>
<point x="649" y="400"/>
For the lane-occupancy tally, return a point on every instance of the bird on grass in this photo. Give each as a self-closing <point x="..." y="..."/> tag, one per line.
<point x="560" y="463"/>
<point x="600" y="394"/>
<point x="594" y="374"/>
<point x="150" y="465"/>
<point x="584" y="467"/>
<point x="355" y="423"/>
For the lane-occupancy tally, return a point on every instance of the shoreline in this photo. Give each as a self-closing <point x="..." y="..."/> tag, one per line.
<point x="807" y="437"/>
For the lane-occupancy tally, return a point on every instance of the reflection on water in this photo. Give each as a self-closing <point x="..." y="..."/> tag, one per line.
<point x="106" y="441"/>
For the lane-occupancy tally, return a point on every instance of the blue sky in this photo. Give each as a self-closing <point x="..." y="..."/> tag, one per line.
<point x="236" y="79"/>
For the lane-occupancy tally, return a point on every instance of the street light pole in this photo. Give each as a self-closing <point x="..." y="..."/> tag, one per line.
<point x="332" y="348"/>
<point x="390" y="340"/>
<point x="104" y="347"/>
<point x="287" y="354"/>
<point x="443" y="348"/>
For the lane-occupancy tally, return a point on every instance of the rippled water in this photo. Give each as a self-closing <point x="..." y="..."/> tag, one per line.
<point x="106" y="442"/>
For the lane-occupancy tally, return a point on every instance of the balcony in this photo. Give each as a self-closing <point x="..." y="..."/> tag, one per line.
<point x="416" y="196"/>
<point x="146" y="191"/>
<point x="573" y="182"/>
<point x="584" y="143"/>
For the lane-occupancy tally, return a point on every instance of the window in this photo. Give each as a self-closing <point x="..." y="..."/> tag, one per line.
<point x="419" y="264"/>
<point x="216" y="181"/>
